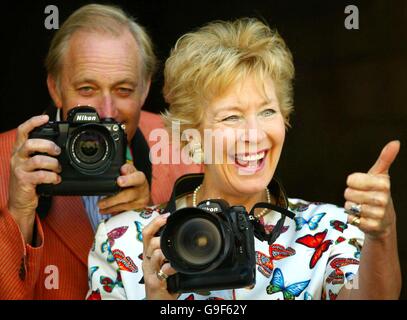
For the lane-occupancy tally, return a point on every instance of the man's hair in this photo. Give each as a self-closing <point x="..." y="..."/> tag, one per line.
<point x="102" y="19"/>
<point x="205" y="63"/>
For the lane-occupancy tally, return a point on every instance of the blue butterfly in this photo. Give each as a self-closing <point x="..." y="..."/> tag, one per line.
<point x="312" y="222"/>
<point x="289" y="292"/>
<point x="139" y="230"/>
<point x="106" y="247"/>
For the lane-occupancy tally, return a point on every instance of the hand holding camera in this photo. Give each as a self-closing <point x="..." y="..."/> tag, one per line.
<point x="27" y="171"/>
<point x="80" y="156"/>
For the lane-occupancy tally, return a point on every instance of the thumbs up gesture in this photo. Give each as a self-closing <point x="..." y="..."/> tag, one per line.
<point x="368" y="197"/>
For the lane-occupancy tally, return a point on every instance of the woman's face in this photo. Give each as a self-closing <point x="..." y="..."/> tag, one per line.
<point x="253" y="135"/>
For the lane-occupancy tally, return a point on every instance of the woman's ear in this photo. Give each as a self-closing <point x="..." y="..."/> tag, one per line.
<point x="54" y="91"/>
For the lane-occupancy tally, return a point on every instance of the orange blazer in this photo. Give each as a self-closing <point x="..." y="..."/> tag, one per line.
<point x="57" y="268"/>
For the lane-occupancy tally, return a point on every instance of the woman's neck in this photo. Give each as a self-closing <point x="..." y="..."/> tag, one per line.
<point x="209" y="191"/>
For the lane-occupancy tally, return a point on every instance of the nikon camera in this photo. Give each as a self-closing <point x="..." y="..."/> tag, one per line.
<point x="92" y="152"/>
<point x="211" y="246"/>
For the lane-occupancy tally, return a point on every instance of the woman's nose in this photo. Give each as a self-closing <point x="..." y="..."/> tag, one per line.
<point x="253" y="131"/>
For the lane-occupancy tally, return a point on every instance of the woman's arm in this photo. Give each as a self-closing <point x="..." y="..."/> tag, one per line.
<point x="379" y="275"/>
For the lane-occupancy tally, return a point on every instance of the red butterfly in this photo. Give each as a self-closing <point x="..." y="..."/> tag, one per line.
<point x="95" y="295"/>
<point x="277" y="252"/>
<point x="125" y="263"/>
<point x="317" y="242"/>
<point x="109" y="284"/>
<point x="339" y="240"/>
<point x="116" y="234"/>
<point x="337" y="276"/>
<point x="338" y="225"/>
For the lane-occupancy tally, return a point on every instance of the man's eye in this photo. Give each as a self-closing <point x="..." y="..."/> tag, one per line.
<point x="86" y="90"/>
<point x="231" y="118"/>
<point x="124" y="91"/>
<point x="268" y="112"/>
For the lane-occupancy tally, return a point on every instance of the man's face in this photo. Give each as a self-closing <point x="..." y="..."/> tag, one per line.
<point x="102" y="71"/>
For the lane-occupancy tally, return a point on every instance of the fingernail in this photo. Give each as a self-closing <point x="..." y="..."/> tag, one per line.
<point x="165" y="215"/>
<point x="121" y="180"/>
<point x="57" y="149"/>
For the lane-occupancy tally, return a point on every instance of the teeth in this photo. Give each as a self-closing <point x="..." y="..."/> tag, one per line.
<point x="252" y="157"/>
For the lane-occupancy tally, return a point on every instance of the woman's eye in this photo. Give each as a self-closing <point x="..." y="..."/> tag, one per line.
<point x="268" y="112"/>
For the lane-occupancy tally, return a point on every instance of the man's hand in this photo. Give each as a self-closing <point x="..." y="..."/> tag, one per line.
<point x="27" y="171"/>
<point x="372" y="192"/>
<point x="135" y="193"/>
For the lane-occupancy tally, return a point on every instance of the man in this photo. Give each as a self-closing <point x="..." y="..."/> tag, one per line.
<point x="99" y="57"/>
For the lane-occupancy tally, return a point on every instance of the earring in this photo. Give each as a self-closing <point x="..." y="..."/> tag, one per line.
<point x="196" y="153"/>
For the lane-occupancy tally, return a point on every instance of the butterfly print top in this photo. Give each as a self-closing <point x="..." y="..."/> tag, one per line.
<point x="317" y="254"/>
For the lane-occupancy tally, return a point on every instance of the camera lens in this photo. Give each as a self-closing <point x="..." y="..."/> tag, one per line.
<point x="91" y="149"/>
<point x="195" y="240"/>
<point x="198" y="241"/>
<point x="90" y="146"/>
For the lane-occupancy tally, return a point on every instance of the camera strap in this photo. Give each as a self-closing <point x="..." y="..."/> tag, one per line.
<point x="259" y="230"/>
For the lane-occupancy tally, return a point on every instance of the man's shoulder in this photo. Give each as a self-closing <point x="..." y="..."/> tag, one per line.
<point x="7" y="139"/>
<point x="150" y="121"/>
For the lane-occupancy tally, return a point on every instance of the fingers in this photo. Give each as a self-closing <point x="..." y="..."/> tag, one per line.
<point x="386" y="158"/>
<point x="136" y="193"/>
<point x="374" y="198"/>
<point x="368" y="182"/>
<point x="25" y="128"/>
<point x="131" y="177"/>
<point x="150" y="230"/>
<point x="38" y="177"/>
<point x="42" y="162"/>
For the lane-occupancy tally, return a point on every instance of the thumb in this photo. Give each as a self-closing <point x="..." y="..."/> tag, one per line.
<point x="386" y="158"/>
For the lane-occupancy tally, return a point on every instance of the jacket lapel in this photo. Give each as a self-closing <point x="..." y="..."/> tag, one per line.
<point x="69" y="221"/>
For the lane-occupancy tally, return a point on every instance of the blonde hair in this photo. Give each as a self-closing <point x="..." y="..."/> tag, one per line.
<point x="104" y="19"/>
<point x="205" y="63"/>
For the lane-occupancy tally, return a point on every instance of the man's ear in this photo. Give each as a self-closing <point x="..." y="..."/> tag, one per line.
<point x="54" y="91"/>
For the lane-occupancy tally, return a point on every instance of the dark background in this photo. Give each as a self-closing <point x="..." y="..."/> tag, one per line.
<point x="350" y="87"/>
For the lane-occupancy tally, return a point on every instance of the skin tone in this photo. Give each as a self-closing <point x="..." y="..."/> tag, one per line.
<point x="241" y="109"/>
<point x="243" y="106"/>
<point x="98" y="70"/>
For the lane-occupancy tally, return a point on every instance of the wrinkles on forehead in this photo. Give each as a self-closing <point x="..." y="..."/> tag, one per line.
<point x="102" y="57"/>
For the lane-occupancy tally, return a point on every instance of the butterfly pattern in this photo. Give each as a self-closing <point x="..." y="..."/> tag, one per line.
<point x="338" y="225"/>
<point x="289" y="292"/>
<point x="265" y="262"/>
<point x="316" y="242"/>
<point x="312" y="222"/>
<point x="319" y="243"/>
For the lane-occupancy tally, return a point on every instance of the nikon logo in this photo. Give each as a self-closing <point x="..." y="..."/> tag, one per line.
<point x="84" y="117"/>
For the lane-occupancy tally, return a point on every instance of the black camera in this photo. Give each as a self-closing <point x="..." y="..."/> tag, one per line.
<point x="92" y="152"/>
<point x="211" y="247"/>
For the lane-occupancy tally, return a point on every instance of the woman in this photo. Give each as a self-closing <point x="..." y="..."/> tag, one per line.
<point x="235" y="78"/>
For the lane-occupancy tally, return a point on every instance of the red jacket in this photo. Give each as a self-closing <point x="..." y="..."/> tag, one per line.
<point x="65" y="235"/>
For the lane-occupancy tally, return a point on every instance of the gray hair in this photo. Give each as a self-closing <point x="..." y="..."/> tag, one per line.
<point x="106" y="19"/>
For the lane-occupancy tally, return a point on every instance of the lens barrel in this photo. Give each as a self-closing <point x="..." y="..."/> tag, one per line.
<point x="91" y="149"/>
<point x="195" y="241"/>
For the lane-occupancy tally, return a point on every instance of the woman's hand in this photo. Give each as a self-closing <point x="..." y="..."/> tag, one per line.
<point x="368" y="196"/>
<point x="154" y="261"/>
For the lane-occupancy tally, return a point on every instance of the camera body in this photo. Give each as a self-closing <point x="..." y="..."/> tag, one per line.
<point x="211" y="247"/>
<point x="92" y="152"/>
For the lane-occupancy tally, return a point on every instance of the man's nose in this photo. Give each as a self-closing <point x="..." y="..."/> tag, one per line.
<point x="107" y="108"/>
